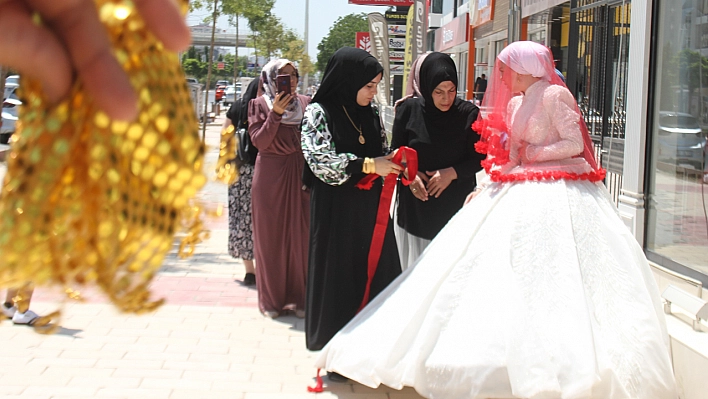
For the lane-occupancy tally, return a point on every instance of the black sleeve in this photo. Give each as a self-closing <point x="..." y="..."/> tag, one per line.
<point x="232" y="113"/>
<point x="472" y="163"/>
<point x="399" y="137"/>
<point x="355" y="166"/>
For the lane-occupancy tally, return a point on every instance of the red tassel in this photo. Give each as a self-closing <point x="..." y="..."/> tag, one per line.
<point x="318" y="386"/>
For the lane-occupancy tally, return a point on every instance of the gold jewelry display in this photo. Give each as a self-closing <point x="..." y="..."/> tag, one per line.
<point x="227" y="165"/>
<point x="91" y="200"/>
<point x="358" y="129"/>
<point x="369" y="166"/>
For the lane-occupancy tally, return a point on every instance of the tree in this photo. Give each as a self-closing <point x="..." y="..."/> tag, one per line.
<point x="293" y="48"/>
<point x="252" y="10"/>
<point x="341" y="34"/>
<point x="270" y="35"/>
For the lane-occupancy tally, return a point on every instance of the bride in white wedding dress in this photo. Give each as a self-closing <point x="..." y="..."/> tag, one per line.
<point x="535" y="289"/>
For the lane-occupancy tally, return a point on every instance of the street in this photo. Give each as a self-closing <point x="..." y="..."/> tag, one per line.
<point x="208" y="340"/>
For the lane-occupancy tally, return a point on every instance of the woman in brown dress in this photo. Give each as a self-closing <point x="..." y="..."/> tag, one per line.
<point x="280" y="203"/>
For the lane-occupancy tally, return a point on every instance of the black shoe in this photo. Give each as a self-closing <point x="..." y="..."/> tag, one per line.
<point x="249" y="279"/>
<point x="336" y="377"/>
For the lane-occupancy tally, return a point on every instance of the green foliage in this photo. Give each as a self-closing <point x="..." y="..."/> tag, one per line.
<point x="270" y="35"/>
<point x="341" y="34"/>
<point x="293" y="48"/>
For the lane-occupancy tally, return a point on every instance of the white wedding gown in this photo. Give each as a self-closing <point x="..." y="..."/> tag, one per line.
<point x="533" y="290"/>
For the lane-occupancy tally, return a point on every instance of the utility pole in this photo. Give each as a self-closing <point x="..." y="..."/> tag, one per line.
<point x="306" y="79"/>
<point x="208" y="82"/>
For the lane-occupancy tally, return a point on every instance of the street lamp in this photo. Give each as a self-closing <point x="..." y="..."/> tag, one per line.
<point x="306" y="79"/>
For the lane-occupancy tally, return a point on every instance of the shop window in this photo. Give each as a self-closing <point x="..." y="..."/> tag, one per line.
<point x="677" y="209"/>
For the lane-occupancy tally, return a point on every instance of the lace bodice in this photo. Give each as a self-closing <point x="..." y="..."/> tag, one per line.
<point x="547" y="119"/>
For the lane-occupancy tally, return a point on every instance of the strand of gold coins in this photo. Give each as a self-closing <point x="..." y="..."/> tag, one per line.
<point x="90" y="200"/>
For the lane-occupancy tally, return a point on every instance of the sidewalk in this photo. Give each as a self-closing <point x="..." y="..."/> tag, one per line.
<point x="208" y="341"/>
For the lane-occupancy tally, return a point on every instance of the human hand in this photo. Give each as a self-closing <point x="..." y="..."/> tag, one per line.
<point x="417" y="186"/>
<point x="439" y="180"/>
<point x="472" y="195"/>
<point x="72" y="42"/>
<point x="281" y="102"/>
<point x="523" y="158"/>
<point x="384" y="166"/>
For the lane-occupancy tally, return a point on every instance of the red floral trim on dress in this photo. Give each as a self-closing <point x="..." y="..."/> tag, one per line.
<point x="492" y="131"/>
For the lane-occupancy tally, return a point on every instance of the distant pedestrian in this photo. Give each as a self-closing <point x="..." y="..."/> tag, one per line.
<point x="16" y="305"/>
<point x="480" y="87"/>
<point x="240" y="244"/>
<point x="281" y="205"/>
<point x="343" y="141"/>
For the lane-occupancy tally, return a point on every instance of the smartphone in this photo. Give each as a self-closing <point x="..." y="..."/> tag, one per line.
<point x="283" y="83"/>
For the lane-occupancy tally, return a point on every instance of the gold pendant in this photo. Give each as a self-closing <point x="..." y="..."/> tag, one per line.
<point x="361" y="139"/>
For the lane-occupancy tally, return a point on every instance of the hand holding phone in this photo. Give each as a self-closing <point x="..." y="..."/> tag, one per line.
<point x="283" y="84"/>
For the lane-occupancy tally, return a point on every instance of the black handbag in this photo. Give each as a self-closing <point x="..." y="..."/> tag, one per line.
<point x="246" y="151"/>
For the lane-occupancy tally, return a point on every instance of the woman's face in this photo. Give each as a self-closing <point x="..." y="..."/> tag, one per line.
<point x="444" y="95"/>
<point x="510" y="78"/>
<point x="367" y="93"/>
<point x="290" y="70"/>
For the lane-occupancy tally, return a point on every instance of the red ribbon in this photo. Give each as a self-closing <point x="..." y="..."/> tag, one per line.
<point x="382" y="215"/>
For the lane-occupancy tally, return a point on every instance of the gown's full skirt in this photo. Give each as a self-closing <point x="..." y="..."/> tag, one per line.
<point x="533" y="290"/>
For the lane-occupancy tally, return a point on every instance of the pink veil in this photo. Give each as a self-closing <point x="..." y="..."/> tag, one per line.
<point x="413" y="84"/>
<point x="525" y="58"/>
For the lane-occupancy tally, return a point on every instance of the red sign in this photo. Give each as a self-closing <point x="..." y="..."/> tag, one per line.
<point x="383" y="2"/>
<point x="363" y="41"/>
<point x="220" y="65"/>
<point x="452" y="33"/>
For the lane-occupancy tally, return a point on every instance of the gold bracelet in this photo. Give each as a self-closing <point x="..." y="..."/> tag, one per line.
<point x="369" y="166"/>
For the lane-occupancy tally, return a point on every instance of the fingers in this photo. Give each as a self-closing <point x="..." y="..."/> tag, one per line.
<point x="30" y="49"/>
<point x="77" y="25"/>
<point x="389" y="156"/>
<point x="423" y="177"/>
<point x="164" y="18"/>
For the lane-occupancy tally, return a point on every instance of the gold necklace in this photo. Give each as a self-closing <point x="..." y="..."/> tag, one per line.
<point x="358" y="129"/>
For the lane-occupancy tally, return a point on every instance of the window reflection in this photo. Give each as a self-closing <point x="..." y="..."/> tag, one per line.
<point x="677" y="217"/>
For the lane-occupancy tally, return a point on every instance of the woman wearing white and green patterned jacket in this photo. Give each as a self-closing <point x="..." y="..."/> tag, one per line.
<point x="342" y="141"/>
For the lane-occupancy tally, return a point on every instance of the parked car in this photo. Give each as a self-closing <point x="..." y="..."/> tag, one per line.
<point x="219" y="93"/>
<point x="681" y="140"/>
<point x="222" y="83"/>
<point x="230" y="95"/>
<point x="192" y="80"/>
<point x="10" y="109"/>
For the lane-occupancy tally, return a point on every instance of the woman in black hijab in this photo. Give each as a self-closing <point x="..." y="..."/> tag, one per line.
<point x="437" y="125"/>
<point x="343" y="141"/>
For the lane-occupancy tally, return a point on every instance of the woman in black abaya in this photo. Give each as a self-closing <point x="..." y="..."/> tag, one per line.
<point x="438" y="125"/>
<point x="343" y="141"/>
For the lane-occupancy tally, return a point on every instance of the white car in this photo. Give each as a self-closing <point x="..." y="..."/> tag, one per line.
<point x="230" y="95"/>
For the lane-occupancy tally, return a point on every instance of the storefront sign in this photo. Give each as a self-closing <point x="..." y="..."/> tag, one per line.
<point x="396" y="69"/>
<point x="530" y="7"/>
<point x="401" y="3"/>
<point x="396" y="17"/>
<point x="363" y="41"/>
<point x="379" y="49"/>
<point x="451" y="34"/>
<point x="484" y="12"/>
<point x="396" y="55"/>
<point x="397" y="30"/>
<point x="396" y="43"/>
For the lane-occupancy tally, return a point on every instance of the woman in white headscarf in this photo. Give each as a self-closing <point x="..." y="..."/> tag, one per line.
<point x="535" y="288"/>
<point x="280" y="203"/>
